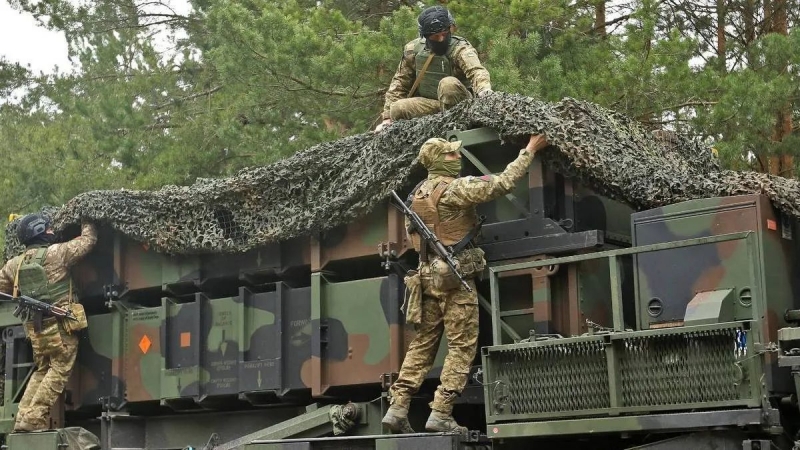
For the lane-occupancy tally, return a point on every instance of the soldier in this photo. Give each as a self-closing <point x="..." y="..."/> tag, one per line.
<point x="55" y="344"/>
<point x="437" y="71"/>
<point x="446" y="204"/>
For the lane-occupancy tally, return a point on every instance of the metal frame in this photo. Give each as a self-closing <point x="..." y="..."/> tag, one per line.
<point x="567" y="422"/>
<point x="534" y="233"/>
<point x="651" y="422"/>
<point x="237" y="428"/>
<point x="357" y="438"/>
<point x="16" y="375"/>
<point x="616" y="286"/>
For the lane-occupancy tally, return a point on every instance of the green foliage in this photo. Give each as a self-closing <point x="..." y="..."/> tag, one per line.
<point x="166" y="97"/>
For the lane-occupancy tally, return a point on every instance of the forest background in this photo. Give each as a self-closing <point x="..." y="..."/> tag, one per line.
<point x="157" y="96"/>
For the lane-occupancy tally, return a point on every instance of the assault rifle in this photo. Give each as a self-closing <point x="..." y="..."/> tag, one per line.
<point x="429" y="238"/>
<point x="37" y="309"/>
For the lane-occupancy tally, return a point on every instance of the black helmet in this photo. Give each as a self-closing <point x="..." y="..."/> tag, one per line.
<point x="434" y="20"/>
<point x="31" y="226"/>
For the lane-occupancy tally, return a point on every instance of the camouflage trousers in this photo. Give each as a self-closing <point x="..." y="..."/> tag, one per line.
<point x="451" y="91"/>
<point x="452" y="313"/>
<point x="54" y="353"/>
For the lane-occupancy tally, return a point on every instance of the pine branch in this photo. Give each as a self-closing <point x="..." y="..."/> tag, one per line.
<point x="309" y="87"/>
<point x="612" y="22"/>
<point x="680" y="105"/>
<point x="189" y="97"/>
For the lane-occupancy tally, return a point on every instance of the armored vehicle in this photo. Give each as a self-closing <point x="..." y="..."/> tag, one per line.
<point x="601" y="327"/>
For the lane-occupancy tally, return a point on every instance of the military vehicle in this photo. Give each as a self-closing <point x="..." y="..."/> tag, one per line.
<point x="601" y="327"/>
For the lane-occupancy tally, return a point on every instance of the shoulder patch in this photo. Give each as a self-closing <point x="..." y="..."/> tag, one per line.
<point x="485" y="178"/>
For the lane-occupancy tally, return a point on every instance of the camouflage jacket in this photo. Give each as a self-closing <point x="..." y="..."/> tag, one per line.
<point x="57" y="262"/>
<point x="463" y="57"/>
<point x="464" y="193"/>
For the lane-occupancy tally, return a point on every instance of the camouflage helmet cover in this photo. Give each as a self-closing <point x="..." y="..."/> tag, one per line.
<point x="435" y="147"/>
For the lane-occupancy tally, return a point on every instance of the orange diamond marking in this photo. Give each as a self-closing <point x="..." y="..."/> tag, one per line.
<point x="144" y="344"/>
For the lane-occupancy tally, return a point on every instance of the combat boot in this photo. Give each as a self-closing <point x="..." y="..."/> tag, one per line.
<point x="396" y="419"/>
<point x="444" y="423"/>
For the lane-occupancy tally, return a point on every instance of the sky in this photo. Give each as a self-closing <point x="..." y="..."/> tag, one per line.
<point x="23" y="41"/>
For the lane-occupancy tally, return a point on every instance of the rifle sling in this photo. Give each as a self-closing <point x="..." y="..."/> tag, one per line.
<point x="466" y="240"/>
<point x="460" y="245"/>
<point x="15" y="292"/>
<point x="413" y="191"/>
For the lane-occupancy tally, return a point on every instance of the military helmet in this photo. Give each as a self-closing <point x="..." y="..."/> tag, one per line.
<point x="433" y="148"/>
<point x="31" y="226"/>
<point x="434" y="20"/>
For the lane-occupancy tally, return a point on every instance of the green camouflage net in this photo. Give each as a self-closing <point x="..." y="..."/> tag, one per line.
<point x="334" y="183"/>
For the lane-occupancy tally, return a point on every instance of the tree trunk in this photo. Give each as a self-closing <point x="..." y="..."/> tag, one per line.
<point x="600" y="18"/>
<point x="769" y="24"/>
<point x="721" y="39"/>
<point x="783" y="121"/>
<point x="749" y="14"/>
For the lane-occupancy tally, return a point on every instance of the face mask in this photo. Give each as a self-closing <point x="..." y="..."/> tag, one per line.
<point x="446" y="168"/>
<point x="439" y="48"/>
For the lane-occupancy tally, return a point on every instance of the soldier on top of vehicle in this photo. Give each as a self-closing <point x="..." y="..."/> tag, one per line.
<point x="438" y="70"/>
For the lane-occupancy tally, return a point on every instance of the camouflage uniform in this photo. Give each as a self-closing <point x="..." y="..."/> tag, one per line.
<point x="54" y="350"/>
<point x="453" y="312"/>
<point x="448" y="80"/>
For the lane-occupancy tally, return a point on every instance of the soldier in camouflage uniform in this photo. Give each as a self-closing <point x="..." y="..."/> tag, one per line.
<point x="447" y="206"/>
<point x="453" y="71"/>
<point x="54" y="349"/>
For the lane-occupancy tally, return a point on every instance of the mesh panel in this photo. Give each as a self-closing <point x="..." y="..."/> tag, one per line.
<point x="566" y="377"/>
<point x="656" y="370"/>
<point x="675" y="369"/>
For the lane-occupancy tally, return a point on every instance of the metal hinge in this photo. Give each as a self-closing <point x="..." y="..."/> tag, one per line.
<point x="388" y="251"/>
<point x="113" y="292"/>
<point x="387" y="379"/>
<point x="769" y="347"/>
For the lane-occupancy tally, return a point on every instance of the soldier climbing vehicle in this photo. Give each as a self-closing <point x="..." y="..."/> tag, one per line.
<point x="601" y="327"/>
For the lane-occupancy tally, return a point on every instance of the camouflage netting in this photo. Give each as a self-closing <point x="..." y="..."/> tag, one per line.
<point x="76" y="438"/>
<point x="336" y="182"/>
